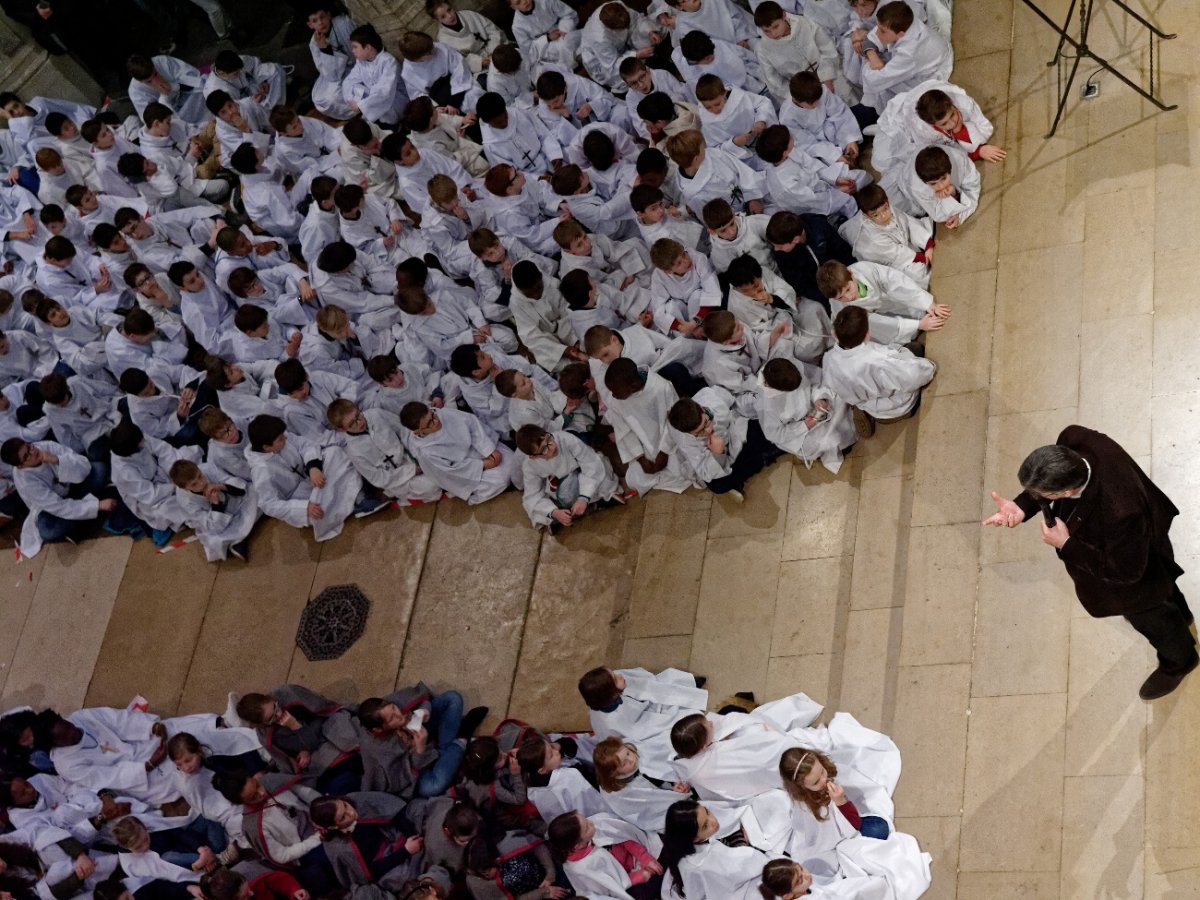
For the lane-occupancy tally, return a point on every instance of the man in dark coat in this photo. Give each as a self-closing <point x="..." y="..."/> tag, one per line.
<point x="1110" y="530"/>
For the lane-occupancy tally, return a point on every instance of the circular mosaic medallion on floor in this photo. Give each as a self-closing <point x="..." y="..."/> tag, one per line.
<point x="332" y="621"/>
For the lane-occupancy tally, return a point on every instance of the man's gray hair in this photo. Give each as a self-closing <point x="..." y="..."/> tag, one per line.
<point x="1052" y="468"/>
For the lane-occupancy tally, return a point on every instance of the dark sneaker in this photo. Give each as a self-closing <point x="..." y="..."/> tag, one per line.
<point x="471" y="721"/>
<point x="370" y="504"/>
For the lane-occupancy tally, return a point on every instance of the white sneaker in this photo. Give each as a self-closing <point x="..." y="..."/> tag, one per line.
<point x="736" y="496"/>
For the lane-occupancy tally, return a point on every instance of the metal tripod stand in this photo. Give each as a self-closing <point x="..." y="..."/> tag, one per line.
<point x="1084" y="51"/>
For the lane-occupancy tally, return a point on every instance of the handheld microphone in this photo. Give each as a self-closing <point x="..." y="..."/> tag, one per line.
<point x="1051" y="521"/>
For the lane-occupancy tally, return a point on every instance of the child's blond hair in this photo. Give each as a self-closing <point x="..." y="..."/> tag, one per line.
<point x="685" y="147"/>
<point x="127" y="832"/>
<point x="339" y="410"/>
<point x="332" y="318"/>
<point x="442" y="189"/>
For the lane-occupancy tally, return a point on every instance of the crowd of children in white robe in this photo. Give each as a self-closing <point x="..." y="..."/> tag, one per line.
<point x="289" y="795"/>
<point x="220" y="309"/>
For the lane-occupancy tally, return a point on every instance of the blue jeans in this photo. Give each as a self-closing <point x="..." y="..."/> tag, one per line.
<point x="181" y="846"/>
<point x="315" y="872"/>
<point x="874" y="827"/>
<point x="53" y="528"/>
<point x="445" y="719"/>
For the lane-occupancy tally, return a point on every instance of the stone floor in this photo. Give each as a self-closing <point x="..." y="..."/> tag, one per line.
<point x="1031" y="768"/>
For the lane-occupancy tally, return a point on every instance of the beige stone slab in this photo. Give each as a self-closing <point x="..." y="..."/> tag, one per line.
<point x="20" y="580"/>
<point x="882" y="543"/>
<point x="811" y="606"/>
<point x="931" y="726"/>
<point x="787" y="675"/>
<point x="1026" y="22"/>
<point x="1115" y="380"/>
<point x="1175" y="210"/>
<point x="973" y="246"/>
<point x="1102" y="854"/>
<point x="249" y="630"/>
<point x="964" y="346"/>
<point x="1172" y="884"/>
<point x="735" y="616"/>
<point x="822" y="514"/>
<point x="1015" y="885"/>
<point x="764" y="510"/>
<point x="59" y="645"/>
<point x="1106" y="722"/>
<point x="1175" y="282"/>
<point x="578" y="608"/>
<point x="985" y="78"/>
<point x="939" y="603"/>
<point x="1012" y="807"/>
<point x="890" y="452"/>
<point x="1178" y="75"/>
<point x="1120" y="158"/>
<point x="1035" y="362"/>
<point x="466" y="626"/>
<point x="939" y="838"/>
<point x="666" y="583"/>
<point x="868" y="676"/>
<point x="1040" y="197"/>
<point x="950" y="454"/>
<point x="658" y="653"/>
<point x="663" y="502"/>
<point x="153" y="628"/>
<point x="1172" y="785"/>
<point x="1175" y="427"/>
<point x="1119" y="278"/>
<point x="1010" y="439"/>
<point x="981" y="28"/>
<point x="382" y="555"/>
<point x="1171" y="373"/>
<point x="1022" y="629"/>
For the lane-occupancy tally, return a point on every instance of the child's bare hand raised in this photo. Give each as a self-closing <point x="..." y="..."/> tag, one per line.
<point x="420" y="739"/>
<point x="837" y="794"/>
<point x="992" y="153"/>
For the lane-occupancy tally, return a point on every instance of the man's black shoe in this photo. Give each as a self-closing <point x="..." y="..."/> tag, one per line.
<point x="1161" y="683"/>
